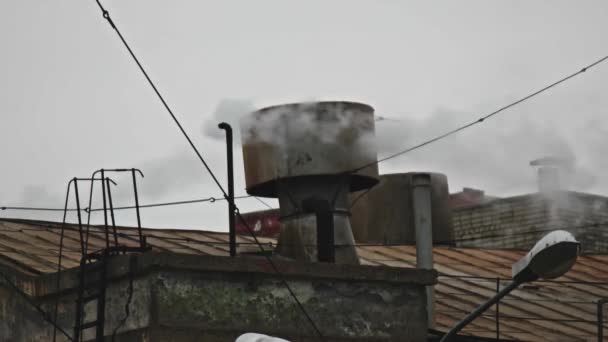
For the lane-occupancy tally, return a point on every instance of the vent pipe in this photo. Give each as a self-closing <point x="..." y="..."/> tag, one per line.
<point x="304" y="154"/>
<point x="423" y="222"/>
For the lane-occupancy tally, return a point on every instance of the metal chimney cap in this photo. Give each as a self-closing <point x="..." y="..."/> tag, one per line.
<point x="551" y="161"/>
<point x="346" y="104"/>
<point x="309" y="141"/>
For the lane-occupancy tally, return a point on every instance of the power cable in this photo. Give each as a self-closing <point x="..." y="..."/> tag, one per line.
<point x="33" y="208"/>
<point x="523" y="318"/>
<point x="106" y="15"/>
<point x="370" y="244"/>
<point x="161" y="204"/>
<point x="360" y="196"/>
<point x="263" y="202"/>
<point x="31" y="302"/>
<point x="210" y="200"/>
<point x="483" y="118"/>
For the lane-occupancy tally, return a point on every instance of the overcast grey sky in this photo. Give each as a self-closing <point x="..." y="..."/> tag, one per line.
<point x="73" y="101"/>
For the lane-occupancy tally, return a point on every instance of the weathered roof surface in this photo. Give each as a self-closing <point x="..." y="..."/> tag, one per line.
<point x="564" y="310"/>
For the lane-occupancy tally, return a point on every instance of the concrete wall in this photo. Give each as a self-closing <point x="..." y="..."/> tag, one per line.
<point x="204" y="298"/>
<point x="19" y="321"/>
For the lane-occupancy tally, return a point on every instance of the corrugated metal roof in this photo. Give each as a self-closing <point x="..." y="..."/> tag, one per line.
<point x="562" y="310"/>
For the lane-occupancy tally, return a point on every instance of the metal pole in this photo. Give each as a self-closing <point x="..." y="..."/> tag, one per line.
<point x="112" y="212"/>
<point x="600" y="319"/>
<point x="90" y="206"/>
<point x="231" y="206"/>
<point x="497" y="318"/>
<point x="105" y="209"/>
<point x="424" y="234"/>
<point x="326" y="251"/>
<point x="89" y="211"/>
<point x="82" y="242"/>
<point x="142" y="243"/>
<point x="60" y="258"/>
<point x="481" y="309"/>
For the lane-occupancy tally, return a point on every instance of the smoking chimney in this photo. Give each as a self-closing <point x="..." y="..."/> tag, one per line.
<point x="303" y="154"/>
<point x="549" y="172"/>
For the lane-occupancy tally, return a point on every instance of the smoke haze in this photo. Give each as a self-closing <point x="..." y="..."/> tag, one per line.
<point x="73" y="101"/>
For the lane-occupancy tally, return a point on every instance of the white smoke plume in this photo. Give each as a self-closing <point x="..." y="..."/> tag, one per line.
<point x="230" y="111"/>
<point x="494" y="155"/>
<point x="338" y="128"/>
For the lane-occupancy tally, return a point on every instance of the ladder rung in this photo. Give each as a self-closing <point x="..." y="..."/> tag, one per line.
<point x="90" y="298"/>
<point x="91" y="284"/>
<point x="88" y="325"/>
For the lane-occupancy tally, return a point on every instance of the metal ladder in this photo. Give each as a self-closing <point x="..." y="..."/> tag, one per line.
<point x="92" y="288"/>
<point x="93" y="266"/>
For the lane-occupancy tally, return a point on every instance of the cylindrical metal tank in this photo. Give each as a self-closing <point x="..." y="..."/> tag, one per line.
<point x="298" y="152"/>
<point x="308" y="139"/>
<point x="391" y="216"/>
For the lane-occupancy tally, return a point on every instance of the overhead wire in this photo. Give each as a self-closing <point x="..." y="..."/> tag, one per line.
<point x="164" y="204"/>
<point x="106" y="15"/>
<point x="483" y="118"/>
<point x="427" y="142"/>
<point x="442" y="136"/>
<point x="33" y="208"/>
<point x="446" y="243"/>
<point x="263" y="202"/>
<point x="151" y="205"/>
<point x="524" y="318"/>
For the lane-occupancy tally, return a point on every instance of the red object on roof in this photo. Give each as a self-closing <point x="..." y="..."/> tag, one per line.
<point x="263" y="223"/>
<point x="468" y="197"/>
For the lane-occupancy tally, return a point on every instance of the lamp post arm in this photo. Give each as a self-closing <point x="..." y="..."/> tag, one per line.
<point x="481" y="309"/>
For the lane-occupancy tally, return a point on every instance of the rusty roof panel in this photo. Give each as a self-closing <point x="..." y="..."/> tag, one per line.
<point x="562" y="310"/>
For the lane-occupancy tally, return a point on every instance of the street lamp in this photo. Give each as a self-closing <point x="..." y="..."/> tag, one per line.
<point x="551" y="257"/>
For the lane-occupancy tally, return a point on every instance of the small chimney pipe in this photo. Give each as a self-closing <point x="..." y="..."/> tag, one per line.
<point x="549" y="172"/>
<point x="424" y="234"/>
<point x="231" y="206"/>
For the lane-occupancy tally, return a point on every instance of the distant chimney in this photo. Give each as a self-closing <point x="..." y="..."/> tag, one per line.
<point x="304" y="155"/>
<point x="549" y="172"/>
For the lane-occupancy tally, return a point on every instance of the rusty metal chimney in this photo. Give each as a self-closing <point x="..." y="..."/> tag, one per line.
<point x="303" y="153"/>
